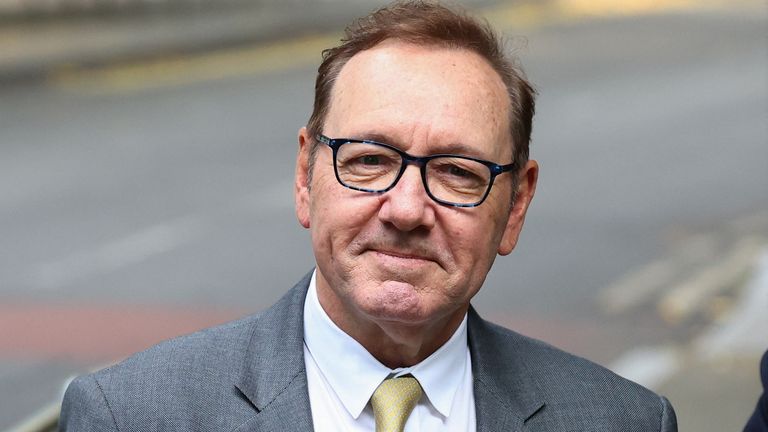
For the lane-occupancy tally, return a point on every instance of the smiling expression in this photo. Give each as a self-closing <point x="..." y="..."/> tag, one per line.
<point x="400" y="257"/>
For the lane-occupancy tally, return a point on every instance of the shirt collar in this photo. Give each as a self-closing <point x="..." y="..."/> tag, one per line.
<point x="439" y="375"/>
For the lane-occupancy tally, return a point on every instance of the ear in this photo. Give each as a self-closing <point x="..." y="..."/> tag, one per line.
<point x="527" y="179"/>
<point x="301" y="180"/>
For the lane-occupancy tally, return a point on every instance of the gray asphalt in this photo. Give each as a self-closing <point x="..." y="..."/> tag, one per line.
<point x="649" y="131"/>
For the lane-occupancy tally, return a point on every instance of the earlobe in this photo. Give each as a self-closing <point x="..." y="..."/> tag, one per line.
<point x="528" y="177"/>
<point x="301" y="180"/>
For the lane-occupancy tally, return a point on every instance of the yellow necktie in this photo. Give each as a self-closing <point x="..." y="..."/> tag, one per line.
<point x="393" y="402"/>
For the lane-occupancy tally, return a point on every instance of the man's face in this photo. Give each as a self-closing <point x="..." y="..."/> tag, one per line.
<point x="399" y="256"/>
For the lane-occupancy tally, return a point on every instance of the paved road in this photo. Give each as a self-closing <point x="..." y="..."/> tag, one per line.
<point x="136" y="203"/>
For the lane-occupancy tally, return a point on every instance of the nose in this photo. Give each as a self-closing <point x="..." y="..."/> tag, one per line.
<point x="407" y="206"/>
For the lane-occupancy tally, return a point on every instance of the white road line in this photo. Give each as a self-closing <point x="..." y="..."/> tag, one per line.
<point x="683" y="300"/>
<point x="131" y="249"/>
<point x="745" y="331"/>
<point x="641" y="285"/>
<point x="648" y="366"/>
<point x="637" y="287"/>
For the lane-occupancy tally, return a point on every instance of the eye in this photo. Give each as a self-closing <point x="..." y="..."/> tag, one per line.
<point x="370" y="160"/>
<point x="458" y="172"/>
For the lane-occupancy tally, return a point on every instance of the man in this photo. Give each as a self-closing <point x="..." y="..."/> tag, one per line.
<point x="759" y="420"/>
<point x="412" y="175"/>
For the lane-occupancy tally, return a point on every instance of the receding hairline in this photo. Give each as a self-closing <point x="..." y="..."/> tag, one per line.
<point x="429" y="23"/>
<point x="492" y="81"/>
<point x="431" y="46"/>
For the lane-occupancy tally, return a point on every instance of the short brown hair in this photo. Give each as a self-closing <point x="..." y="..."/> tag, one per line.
<point x="428" y="23"/>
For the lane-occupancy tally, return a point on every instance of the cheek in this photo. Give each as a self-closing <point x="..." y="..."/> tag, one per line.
<point x="337" y="214"/>
<point x="474" y="241"/>
<point x="472" y="246"/>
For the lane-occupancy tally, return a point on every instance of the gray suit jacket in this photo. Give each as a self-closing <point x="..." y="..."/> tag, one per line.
<point x="249" y="375"/>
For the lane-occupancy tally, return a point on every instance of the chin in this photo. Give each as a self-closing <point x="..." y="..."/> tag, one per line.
<point x="392" y="301"/>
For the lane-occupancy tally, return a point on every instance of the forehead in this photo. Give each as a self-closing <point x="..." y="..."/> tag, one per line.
<point x="422" y="95"/>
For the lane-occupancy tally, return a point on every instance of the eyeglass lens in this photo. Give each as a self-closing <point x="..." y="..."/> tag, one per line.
<point x="375" y="168"/>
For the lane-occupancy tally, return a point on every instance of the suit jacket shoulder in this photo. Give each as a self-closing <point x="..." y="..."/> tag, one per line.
<point x="249" y="375"/>
<point x="548" y="389"/>
<point x="758" y="422"/>
<point x="219" y="379"/>
<point x="154" y="387"/>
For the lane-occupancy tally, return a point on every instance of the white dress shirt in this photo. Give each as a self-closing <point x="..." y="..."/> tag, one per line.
<point x="342" y="376"/>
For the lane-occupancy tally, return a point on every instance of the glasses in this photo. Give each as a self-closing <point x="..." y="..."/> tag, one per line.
<point x="453" y="180"/>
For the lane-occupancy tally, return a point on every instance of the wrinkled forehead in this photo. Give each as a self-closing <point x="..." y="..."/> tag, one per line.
<point x="427" y="94"/>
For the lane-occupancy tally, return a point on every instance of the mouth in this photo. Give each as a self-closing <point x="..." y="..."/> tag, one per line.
<point x="402" y="255"/>
<point x="401" y="259"/>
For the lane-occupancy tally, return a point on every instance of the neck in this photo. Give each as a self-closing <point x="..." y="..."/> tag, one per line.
<point x="395" y="345"/>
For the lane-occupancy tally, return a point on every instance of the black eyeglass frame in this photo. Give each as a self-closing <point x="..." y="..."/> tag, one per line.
<point x="494" y="168"/>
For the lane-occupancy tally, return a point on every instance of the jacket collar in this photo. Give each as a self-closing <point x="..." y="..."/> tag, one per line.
<point x="274" y="378"/>
<point x="273" y="375"/>
<point x="506" y="396"/>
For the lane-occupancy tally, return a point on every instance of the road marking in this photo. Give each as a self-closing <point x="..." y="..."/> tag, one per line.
<point x="137" y="76"/>
<point x="639" y="286"/>
<point x="687" y="265"/>
<point x="648" y="366"/>
<point x="681" y="301"/>
<point x="741" y="335"/>
<point x="587" y="8"/>
<point x="745" y="331"/>
<point x="131" y="249"/>
<point x="623" y="7"/>
<point x="528" y="16"/>
<point x="520" y="16"/>
<point x="131" y="77"/>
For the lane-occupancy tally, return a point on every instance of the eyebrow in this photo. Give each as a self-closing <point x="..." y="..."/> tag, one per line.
<point x="452" y="148"/>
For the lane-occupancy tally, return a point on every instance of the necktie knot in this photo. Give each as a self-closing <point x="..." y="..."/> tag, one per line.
<point x="393" y="402"/>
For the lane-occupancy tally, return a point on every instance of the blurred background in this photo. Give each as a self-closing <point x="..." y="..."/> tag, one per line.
<point x="147" y="152"/>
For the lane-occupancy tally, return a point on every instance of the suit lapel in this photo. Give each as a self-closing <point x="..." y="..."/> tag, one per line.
<point x="289" y="411"/>
<point x="491" y="412"/>
<point x="273" y="376"/>
<point x="505" y="392"/>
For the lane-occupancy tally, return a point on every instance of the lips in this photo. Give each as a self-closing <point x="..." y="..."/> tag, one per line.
<point x="403" y="255"/>
<point x="400" y="250"/>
